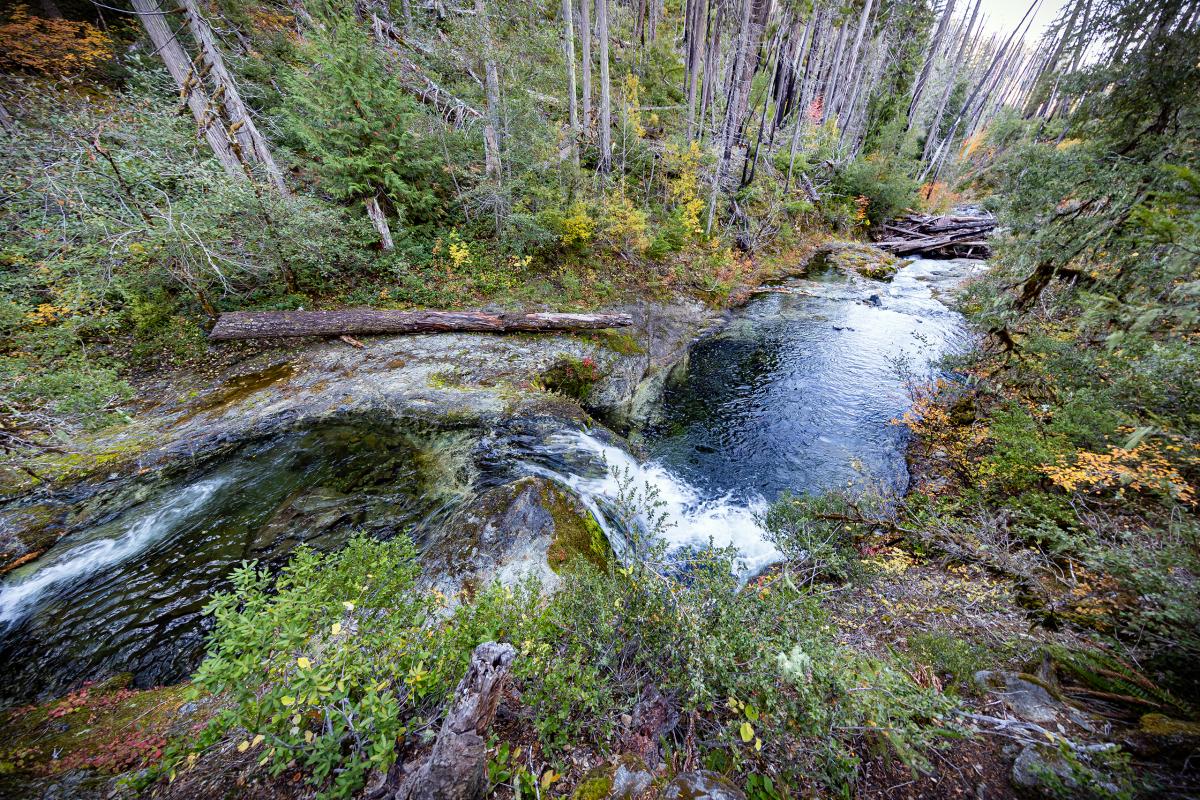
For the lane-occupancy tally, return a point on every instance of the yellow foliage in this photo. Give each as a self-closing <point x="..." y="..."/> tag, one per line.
<point x="685" y="189"/>
<point x="1143" y="468"/>
<point x="625" y="223"/>
<point x="579" y="226"/>
<point x="47" y="314"/>
<point x="51" y="46"/>
<point x="460" y="254"/>
<point x="631" y="88"/>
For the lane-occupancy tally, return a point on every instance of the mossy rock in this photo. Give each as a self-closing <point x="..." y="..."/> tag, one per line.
<point x="576" y="532"/>
<point x="593" y="788"/>
<point x="861" y="259"/>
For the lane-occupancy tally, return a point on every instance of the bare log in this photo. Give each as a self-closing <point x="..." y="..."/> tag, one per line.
<point x="455" y="770"/>
<point x="365" y="321"/>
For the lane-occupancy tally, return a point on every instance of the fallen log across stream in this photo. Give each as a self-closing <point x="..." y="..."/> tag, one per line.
<point x="947" y="236"/>
<point x="361" y="321"/>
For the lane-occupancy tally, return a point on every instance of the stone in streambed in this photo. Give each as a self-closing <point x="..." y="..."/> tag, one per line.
<point x="701" y="785"/>
<point x="530" y="527"/>
<point x="861" y="259"/>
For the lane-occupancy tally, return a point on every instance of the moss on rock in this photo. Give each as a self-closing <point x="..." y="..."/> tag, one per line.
<point x="861" y="259"/>
<point x="576" y="532"/>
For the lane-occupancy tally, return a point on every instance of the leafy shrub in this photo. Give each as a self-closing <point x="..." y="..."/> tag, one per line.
<point x="816" y="535"/>
<point x="328" y="665"/>
<point x="884" y="184"/>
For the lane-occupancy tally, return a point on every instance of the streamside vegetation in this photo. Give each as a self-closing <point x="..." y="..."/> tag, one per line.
<point x="174" y="162"/>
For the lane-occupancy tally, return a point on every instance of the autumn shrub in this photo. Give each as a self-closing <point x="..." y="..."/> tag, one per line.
<point x="326" y="666"/>
<point x="881" y="181"/>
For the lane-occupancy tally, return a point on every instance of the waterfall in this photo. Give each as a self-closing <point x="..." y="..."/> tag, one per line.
<point x="76" y="560"/>
<point x="691" y="519"/>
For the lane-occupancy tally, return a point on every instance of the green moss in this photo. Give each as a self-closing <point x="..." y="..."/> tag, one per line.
<point x="596" y="788"/>
<point x="1162" y="725"/>
<point x="576" y="532"/>
<point x="620" y="342"/>
<point x="445" y="379"/>
<point x="107" y="727"/>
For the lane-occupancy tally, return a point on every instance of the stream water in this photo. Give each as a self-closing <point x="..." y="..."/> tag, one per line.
<point x="797" y="393"/>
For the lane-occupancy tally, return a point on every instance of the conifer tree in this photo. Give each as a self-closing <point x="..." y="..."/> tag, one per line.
<point x="356" y="126"/>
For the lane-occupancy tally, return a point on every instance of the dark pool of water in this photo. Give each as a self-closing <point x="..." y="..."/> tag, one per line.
<point x="126" y="595"/>
<point x="799" y="391"/>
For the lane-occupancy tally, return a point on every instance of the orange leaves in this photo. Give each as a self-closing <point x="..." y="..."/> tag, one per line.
<point x="1144" y="468"/>
<point x="56" y="47"/>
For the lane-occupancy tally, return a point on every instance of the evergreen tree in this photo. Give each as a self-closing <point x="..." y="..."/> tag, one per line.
<point x="356" y="126"/>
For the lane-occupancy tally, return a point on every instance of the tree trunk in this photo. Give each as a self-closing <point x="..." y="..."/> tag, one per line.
<point x="456" y="769"/>
<point x="935" y="126"/>
<point x="248" y="142"/>
<point x="413" y="79"/>
<point x="180" y="67"/>
<point x="852" y="65"/>
<point x="698" y="10"/>
<point x="740" y="75"/>
<point x="605" y="163"/>
<point x="935" y="49"/>
<point x="713" y="37"/>
<point x="829" y="90"/>
<point x="585" y="41"/>
<point x="569" y="55"/>
<point x="491" y="128"/>
<point x="379" y="220"/>
<point x="363" y="321"/>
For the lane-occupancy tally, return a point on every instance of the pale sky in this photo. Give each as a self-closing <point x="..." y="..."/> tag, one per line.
<point x="1003" y="15"/>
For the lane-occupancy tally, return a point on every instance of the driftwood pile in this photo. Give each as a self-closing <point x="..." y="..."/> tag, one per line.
<point x="946" y="236"/>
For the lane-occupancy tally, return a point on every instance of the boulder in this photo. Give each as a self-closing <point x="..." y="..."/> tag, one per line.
<point x="701" y="785"/>
<point x="1044" y="771"/>
<point x="1024" y="697"/>
<point x="530" y="527"/>
<point x="858" y="258"/>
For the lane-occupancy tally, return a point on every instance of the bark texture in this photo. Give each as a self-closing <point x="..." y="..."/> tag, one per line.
<point x="362" y="321"/>
<point x="456" y="769"/>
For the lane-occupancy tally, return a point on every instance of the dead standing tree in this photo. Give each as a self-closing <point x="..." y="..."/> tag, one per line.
<point x="210" y="92"/>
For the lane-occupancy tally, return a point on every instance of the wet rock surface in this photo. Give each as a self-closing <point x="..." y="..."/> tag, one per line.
<point x="527" y="528"/>
<point x="856" y="257"/>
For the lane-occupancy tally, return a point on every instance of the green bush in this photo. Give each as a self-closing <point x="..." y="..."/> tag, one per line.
<point x="327" y="665"/>
<point x="885" y="183"/>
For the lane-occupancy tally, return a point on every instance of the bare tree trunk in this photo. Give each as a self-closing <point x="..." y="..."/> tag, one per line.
<point x="491" y="128"/>
<point x="711" y="70"/>
<point x="698" y="10"/>
<point x="569" y="54"/>
<point x="456" y="767"/>
<point x="829" y="90"/>
<point x="740" y="76"/>
<point x="935" y="49"/>
<point x="585" y="40"/>
<point x="605" y="163"/>
<point x="248" y="142"/>
<point x="180" y="67"/>
<point x="935" y="125"/>
<point x="379" y="220"/>
<point x="852" y="65"/>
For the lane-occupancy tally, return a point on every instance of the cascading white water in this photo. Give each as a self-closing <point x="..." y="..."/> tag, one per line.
<point x="77" y="560"/>
<point x="690" y="518"/>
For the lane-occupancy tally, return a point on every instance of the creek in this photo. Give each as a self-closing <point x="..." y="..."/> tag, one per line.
<point x="797" y="392"/>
